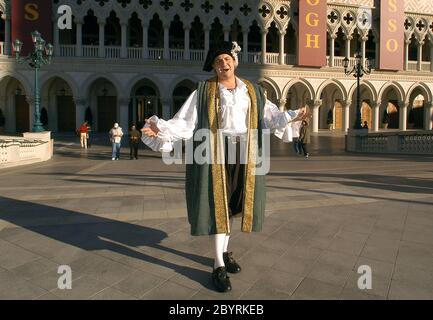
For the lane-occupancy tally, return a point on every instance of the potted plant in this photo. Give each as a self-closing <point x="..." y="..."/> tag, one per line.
<point x="2" y="121"/>
<point x="330" y="119"/>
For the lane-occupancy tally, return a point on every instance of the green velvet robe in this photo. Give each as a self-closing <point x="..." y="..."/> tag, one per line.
<point x="206" y="205"/>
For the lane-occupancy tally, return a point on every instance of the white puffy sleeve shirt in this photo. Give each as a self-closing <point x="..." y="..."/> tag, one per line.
<point x="234" y="109"/>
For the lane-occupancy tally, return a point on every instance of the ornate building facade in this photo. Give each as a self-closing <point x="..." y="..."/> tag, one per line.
<point x="126" y="59"/>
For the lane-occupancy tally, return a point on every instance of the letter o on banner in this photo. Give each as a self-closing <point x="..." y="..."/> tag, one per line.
<point x="392" y="45"/>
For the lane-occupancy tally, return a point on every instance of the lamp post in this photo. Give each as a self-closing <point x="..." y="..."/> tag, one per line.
<point x="36" y="60"/>
<point x="358" y="72"/>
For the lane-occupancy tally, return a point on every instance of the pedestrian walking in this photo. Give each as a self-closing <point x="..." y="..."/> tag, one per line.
<point x="217" y="192"/>
<point x="83" y="135"/>
<point x="304" y="138"/>
<point x="296" y="126"/>
<point x="134" y="139"/>
<point x="116" y="135"/>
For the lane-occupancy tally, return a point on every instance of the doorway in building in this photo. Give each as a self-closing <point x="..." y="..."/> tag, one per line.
<point x="146" y="102"/>
<point x="66" y="114"/>
<point x="366" y="114"/>
<point x="22" y="116"/>
<point x="107" y="114"/>
<point x="338" y="115"/>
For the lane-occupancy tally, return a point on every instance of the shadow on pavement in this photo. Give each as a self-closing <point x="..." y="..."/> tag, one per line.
<point x="90" y="232"/>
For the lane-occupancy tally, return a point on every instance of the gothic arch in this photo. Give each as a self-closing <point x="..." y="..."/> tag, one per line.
<point x="337" y="83"/>
<point x="302" y="81"/>
<point x="391" y="84"/>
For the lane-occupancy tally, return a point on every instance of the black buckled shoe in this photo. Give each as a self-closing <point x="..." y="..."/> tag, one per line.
<point x="231" y="265"/>
<point x="220" y="280"/>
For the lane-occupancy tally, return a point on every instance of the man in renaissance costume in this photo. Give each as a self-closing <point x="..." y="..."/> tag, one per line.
<point x="234" y="112"/>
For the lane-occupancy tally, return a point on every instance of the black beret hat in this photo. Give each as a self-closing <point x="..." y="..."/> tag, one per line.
<point x="221" y="48"/>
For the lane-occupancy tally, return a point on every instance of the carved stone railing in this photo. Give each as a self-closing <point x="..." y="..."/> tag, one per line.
<point x="16" y="151"/>
<point x="408" y="142"/>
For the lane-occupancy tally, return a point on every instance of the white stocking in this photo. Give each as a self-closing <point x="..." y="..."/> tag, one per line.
<point x="219" y="240"/>
<point x="226" y="242"/>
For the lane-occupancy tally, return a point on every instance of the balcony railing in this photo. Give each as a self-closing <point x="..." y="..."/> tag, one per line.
<point x="156" y="54"/>
<point x="67" y="50"/>
<point x="339" y="62"/>
<point x="254" y="57"/>
<point x="272" y="58"/>
<point x="176" y="54"/>
<point x="413" y="66"/>
<point x="90" y="51"/>
<point x="112" y="52"/>
<point x="135" y="53"/>
<point x="198" y="55"/>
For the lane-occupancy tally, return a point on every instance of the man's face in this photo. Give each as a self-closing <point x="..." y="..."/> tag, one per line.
<point x="224" y="66"/>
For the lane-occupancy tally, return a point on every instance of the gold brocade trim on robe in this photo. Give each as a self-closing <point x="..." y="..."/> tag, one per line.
<point x="219" y="186"/>
<point x="250" y="168"/>
<point x="218" y="170"/>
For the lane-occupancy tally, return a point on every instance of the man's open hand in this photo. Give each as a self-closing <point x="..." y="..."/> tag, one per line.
<point x="152" y="130"/>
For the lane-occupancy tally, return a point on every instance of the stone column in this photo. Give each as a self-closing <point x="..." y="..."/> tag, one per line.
<point x="79" y="36"/>
<point x="363" y="44"/>
<point x="124" y="38"/>
<point x="80" y="110"/>
<point x="166" y="54"/>
<point x="316" y="106"/>
<point x="419" y="64"/>
<point x="406" y="54"/>
<point x="282" y="34"/>
<point x="7" y="44"/>
<point x="264" y="34"/>
<point x="346" y="115"/>
<point x="186" y="55"/>
<point x="101" y="39"/>
<point x="123" y="103"/>
<point x="428" y="116"/>
<point x="332" y="50"/>
<point x="56" y="42"/>
<point x="245" y="47"/>
<point x="348" y="39"/>
<point x="375" y="106"/>
<point x="403" y="115"/>
<point x="145" y="37"/>
<point x="282" y="104"/>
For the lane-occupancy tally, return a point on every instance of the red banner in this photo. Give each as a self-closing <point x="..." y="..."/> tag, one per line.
<point x="312" y="33"/>
<point x="28" y="16"/>
<point x="391" y="35"/>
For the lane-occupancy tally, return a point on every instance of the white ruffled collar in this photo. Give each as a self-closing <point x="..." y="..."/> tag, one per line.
<point x="240" y="86"/>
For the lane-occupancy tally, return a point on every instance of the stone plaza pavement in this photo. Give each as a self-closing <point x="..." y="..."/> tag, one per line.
<point x="121" y="227"/>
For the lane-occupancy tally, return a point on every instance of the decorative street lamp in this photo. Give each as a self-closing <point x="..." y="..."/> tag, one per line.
<point x="40" y="56"/>
<point x="358" y="72"/>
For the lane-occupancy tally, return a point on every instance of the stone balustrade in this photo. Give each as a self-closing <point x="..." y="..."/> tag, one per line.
<point x="408" y="142"/>
<point x="32" y="148"/>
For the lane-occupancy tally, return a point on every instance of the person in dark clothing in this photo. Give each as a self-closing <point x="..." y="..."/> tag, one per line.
<point x="304" y="138"/>
<point x="134" y="138"/>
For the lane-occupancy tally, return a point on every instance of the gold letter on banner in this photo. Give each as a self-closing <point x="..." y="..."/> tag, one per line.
<point x="312" y="33"/>
<point x="28" y="16"/>
<point x="391" y="35"/>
